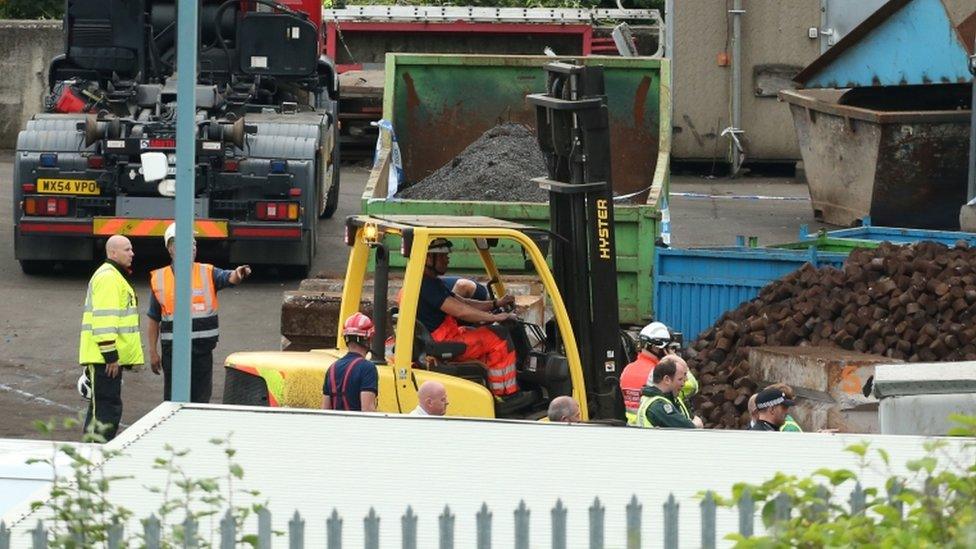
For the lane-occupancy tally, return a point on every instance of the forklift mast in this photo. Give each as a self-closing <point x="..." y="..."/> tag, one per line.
<point x="573" y="129"/>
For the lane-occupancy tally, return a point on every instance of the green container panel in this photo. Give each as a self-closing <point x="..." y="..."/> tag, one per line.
<point x="440" y="104"/>
<point x="829" y="244"/>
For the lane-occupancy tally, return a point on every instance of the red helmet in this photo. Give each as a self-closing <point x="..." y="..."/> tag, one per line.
<point x="358" y="325"/>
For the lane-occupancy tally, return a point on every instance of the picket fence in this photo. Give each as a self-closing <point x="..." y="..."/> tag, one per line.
<point x="152" y="534"/>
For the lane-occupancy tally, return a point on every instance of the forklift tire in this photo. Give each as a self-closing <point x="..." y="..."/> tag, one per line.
<point x="244" y="389"/>
<point x="36" y="266"/>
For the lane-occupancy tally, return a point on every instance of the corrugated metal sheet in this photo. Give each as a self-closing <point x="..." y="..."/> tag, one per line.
<point x="694" y="287"/>
<point x="315" y="461"/>
<point x="904" y="42"/>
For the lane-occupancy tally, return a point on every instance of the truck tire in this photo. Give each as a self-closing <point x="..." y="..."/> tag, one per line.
<point x="36" y="266"/>
<point x="244" y="389"/>
<point x="332" y="197"/>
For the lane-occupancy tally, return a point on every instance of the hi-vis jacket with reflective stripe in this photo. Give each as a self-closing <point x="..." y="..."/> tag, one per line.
<point x="203" y="305"/>
<point x="668" y="410"/>
<point x="110" y="323"/>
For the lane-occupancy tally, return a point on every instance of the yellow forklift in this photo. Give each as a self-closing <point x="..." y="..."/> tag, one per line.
<point x="578" y="352"/>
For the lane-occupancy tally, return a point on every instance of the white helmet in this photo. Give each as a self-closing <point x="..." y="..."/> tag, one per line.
<point x="84" y="387"/>
<point x="171" y="233"/>
<point x="655" y="334"/>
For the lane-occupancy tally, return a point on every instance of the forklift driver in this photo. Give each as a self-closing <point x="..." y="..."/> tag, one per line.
<point x="440" y="309"/>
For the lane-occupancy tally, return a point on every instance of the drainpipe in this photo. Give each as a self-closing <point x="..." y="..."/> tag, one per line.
<point x="735" y="129"/>
<point x="669" y="24"/>
<point x="669" y="32"/>
<point x="971" y="197"/>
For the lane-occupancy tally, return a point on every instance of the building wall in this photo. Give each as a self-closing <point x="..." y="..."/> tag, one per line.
<point x="27" y="48"/>
<point x="774" y="36"/>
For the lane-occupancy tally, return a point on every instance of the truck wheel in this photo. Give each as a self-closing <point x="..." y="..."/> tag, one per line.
<point x="36" y="266"/>
<point x="332" y="198"/>
<point x="244" y="389"/>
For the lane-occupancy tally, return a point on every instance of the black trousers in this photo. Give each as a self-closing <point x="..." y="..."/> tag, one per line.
<point x="201" y="375"/>
<point x="106" y="403"/>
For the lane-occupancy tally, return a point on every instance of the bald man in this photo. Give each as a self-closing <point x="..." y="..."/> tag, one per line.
<point x="564" y="409"/>
<point x="431" y="400"/>
<point x="110" y="340"/>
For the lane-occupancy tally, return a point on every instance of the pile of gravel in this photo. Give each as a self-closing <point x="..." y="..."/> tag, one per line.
<point x="498" y="166"/>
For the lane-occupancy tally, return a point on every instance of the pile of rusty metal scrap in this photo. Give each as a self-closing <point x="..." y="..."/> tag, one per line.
<point x="914" y="303"/>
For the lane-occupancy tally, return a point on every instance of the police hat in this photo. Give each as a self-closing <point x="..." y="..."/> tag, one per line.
<point x="440" y="246"/>
<point x="767" y="398"/>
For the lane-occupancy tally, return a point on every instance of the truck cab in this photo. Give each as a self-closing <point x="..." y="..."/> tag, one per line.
<point x="410" y="357"/>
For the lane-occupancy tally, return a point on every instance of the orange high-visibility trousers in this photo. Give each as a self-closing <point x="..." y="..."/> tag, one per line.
<point x="490" y="345"/>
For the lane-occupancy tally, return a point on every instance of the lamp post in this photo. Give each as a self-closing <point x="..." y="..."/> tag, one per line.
<point x="186" y="140"/>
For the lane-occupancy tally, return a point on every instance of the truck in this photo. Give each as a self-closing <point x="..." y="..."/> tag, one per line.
<point x="267" y="157"/>
<point x="578" y="352"/>
<point x="358" y="37"/>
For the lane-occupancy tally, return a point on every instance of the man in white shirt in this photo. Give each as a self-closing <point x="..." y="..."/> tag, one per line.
<point x="431" y="400"/>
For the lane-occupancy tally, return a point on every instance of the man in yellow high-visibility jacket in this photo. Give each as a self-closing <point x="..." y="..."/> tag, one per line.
<point x="110" y="340"/>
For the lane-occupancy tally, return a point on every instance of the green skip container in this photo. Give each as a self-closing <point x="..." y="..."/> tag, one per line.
<point x="440" y="104"/>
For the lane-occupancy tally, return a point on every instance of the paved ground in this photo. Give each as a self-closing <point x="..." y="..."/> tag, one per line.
<point x="39" y="316"/>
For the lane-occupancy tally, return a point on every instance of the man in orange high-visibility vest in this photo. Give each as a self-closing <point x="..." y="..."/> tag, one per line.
<point x="207" y="281"/>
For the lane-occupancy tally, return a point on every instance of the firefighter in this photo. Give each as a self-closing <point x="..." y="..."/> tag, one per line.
<point x="660" y="405"/>
<point x="351" y="383"/>
<point x="656" y="342"/>
<point x="110" y="340"/>
<point x="440" y="311"/>
<point x="204" y="331"/>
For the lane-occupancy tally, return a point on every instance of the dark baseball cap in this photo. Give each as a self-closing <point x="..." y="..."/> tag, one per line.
<point x="767" y="398"/>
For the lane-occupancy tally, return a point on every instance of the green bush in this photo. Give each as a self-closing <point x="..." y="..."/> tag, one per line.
<point x="31" y="9"/>
<point x="934" y="505"/>
<point x="83" y="513"/>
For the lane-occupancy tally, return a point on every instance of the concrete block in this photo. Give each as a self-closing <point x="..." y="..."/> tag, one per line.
<point x="28" y="47"/>
<point x="832" y="385"/>
<point x="923" y="414"/>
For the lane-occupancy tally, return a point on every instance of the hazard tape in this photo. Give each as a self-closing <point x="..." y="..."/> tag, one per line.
<point x="108" y="226"/>
<point x="739" y="197"/>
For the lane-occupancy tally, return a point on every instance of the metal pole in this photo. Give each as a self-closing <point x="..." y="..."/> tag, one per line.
<point x="736" y="91"/>
<point x="186" y="140"/>
<point x="668" y="28"/>
<point x="972" y="131"/>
